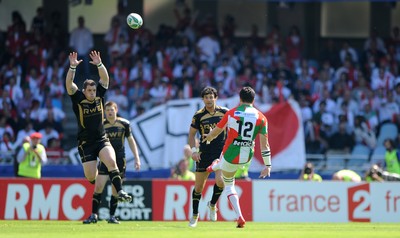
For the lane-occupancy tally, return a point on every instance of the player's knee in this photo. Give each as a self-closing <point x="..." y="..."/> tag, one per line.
<point x="230" y="189"/>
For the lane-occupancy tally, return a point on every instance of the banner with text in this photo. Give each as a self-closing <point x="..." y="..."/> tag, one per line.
<point x="45" y="199"/>
<point x="174" y="201"/>
<point x="170" y="200"/>
<point x="296" y="201"/>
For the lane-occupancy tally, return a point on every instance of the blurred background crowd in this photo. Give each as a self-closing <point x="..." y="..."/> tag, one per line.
<point x="349" y="95"/>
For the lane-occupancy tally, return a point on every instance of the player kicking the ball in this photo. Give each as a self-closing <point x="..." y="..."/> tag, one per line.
<point x="243" y="124"/>
<point x="203" y="121"/>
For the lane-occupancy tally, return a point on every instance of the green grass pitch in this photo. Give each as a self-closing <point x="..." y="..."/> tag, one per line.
<point x="137" y="229"/>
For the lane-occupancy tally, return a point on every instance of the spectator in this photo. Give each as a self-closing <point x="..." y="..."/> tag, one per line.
<point x="14" y="90"/>
<point x="204" y="75"/>
<point x="38" y="21"/>
<point x="6" y="147"/>
<point x="346" y="175"/>
<point x="208" y="48"/>
<point x="330" y="104"/>
<point x="141" y="71"/>
<point x="308" y="174"/>
<point x="31" y="157"/>
<point x="225" y="67"/>
<point x="376" y="173"/>
<point x="55" y="112"/>
<point x="55" y="154"/>
<point x="182" y="172"/>
<point x="294" y="46"/>
<point x="114" y="34"/>
<point x="5" y="127"/>
<point x="341" y="142"/>
<point x="371" y="117"/>
<point x="382" y="79"/>
<point x="158" y="92"/>
<point x="48" y="133"/>
<point x="348" y="52"/>
<point x="35" y="82"/>
<point x="187" y="154"/>
<point x="119" y="49"/>
<point x="32" y="113"/>
<point x="119" y="73"/>
<point x="392" y="158"/>
<point x="363" y="134"/>
<point x="389" y="110"/>
<point x="27" y="131"/>
<point x="328" y="53"/>
<point x="81" y="41"/>
<point x="374" y="41"/>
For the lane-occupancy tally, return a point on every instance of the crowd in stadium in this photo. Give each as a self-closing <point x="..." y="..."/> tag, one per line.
<point x="345" y="94"/>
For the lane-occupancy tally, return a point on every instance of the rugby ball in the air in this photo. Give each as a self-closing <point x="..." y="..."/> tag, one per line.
<point x="134" y="20"/>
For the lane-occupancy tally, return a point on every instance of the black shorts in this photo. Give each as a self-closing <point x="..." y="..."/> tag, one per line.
<point x="121" y="163"/>
<point x="89" y="151"/>
<point x="205" y="160"/>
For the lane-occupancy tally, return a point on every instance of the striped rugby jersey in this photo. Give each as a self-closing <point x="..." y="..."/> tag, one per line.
<point x="243" y="124"/>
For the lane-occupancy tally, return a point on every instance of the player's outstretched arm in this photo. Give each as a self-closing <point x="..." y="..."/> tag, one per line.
<point x="69" y="81"/>
<point x="96" y="60"/>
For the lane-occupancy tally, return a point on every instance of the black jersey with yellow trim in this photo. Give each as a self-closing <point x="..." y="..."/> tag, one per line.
<point x="204" y="121"/>
<point x="116" y="133"/>
<point x="89" y="115"/>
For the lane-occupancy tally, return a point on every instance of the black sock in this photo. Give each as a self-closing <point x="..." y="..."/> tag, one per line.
<point x="195" y="201"/>
<point x="115" y="179"/>
<point x="96" y="200"/>
<point x="113" y="205"/>
<point x="217" y="191"/>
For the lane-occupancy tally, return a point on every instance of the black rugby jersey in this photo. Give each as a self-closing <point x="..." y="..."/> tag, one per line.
<point x="116" y="133"/>
<point x="204" y="121"/>
<point x="90" y="115"/>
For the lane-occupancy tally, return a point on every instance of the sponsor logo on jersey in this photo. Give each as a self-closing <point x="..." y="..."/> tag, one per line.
<point x="244" y="114"/>
<point x="242" y="143"/>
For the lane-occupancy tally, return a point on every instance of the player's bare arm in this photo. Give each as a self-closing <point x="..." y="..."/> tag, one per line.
<point x="96" y="60"/>
<point x="69" y="82"/>
<point x="266" y="154"/>
<point x="192" y="143"/>
<point x="133" y="147"/>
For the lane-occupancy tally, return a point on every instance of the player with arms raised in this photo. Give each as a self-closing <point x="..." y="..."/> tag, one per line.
<point x="243" y="124"/>
<point x="88" y="106"/>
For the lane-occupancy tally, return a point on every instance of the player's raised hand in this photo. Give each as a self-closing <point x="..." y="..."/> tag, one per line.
<point x="95" y="56"/>
<point x="73" y="59"/>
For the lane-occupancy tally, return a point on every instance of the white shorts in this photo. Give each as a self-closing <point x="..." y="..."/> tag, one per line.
<point x="229" y="167"/>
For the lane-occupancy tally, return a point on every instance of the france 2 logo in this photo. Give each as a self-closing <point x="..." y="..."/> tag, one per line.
<point x="359" y="204"/>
